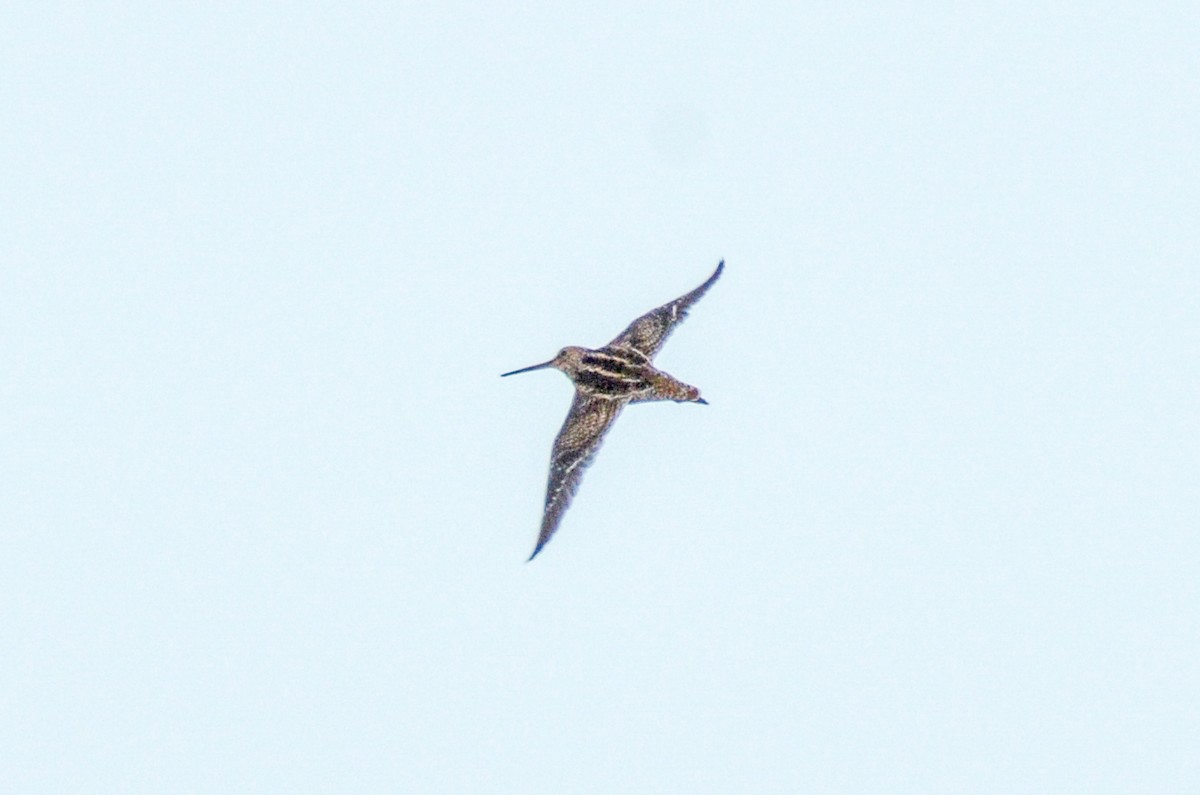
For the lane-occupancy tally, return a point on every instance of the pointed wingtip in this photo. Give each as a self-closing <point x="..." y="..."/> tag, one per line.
<point x="536" y="550"/>
<point x="717" y="273"/>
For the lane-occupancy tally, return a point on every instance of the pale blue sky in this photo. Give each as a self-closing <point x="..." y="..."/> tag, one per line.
<point x="265" y="502"/>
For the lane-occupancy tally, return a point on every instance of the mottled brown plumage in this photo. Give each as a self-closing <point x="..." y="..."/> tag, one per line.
<point x="606" y="380"/>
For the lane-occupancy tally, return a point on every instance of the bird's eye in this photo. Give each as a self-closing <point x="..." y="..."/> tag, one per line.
<point x="562" y="353"/>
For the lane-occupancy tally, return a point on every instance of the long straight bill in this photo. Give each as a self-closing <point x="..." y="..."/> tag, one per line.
<point x="527" y="369"/>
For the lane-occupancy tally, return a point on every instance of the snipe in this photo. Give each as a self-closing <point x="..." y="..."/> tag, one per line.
<point x="606" y="380"/>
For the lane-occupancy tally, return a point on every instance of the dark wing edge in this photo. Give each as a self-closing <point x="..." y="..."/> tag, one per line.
<point x="578" y="440"/>
<point x="648" y="333"/>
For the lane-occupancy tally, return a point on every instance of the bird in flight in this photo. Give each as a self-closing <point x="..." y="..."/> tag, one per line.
<point x="606" y="379"/>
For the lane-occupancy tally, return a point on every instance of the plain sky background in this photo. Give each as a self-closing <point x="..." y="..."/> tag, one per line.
<point x="265" y="503"/>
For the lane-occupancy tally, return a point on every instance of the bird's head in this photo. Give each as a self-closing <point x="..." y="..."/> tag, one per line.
<point x="568" y="360"/>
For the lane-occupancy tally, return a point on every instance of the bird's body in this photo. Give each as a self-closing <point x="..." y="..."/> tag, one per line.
<point x="606" y="380"/>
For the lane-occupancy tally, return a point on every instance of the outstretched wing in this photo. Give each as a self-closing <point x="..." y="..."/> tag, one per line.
<point x="650" y="331"/>
<point x="590" y="417"/>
